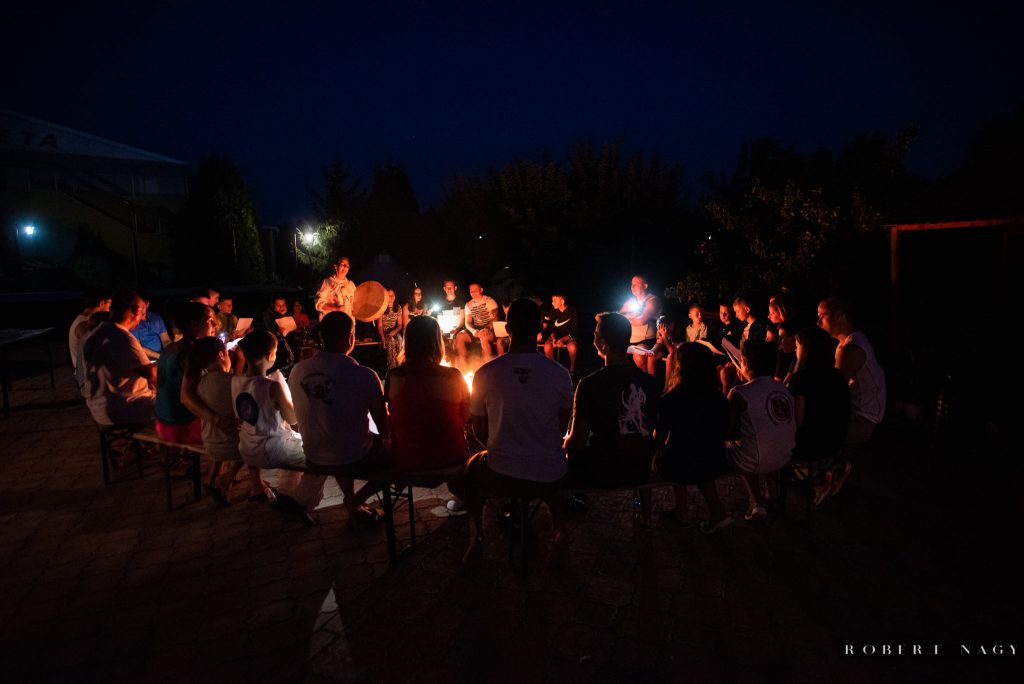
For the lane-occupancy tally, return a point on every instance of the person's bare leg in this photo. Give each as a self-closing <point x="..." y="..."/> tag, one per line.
<point x="347" y="487"/>
<point x="485" y="344"/>
<point x="476" y="528"/>
<point x="641" y="362"/>
<point x="559" y="536"/>
<point x="571" y="347"/>
<point x="256" y="484"/>
<point x="680" y="513"/>
<point x="716" y="511"/>
<point x="549" y="349"/>
<point x="214" y="473"/>
<point x="461" y="341"/>
<point x="752" y="484"/>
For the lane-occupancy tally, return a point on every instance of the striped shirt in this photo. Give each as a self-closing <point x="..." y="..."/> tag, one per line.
<point x="480" y="313"/>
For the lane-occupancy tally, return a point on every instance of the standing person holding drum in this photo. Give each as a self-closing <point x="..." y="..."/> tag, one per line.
<point x="336" y="291"/>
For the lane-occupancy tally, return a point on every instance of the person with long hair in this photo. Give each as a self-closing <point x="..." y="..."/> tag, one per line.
<point x="174" y="421"/>
<point x="389" y="327"/>
<point x="691" y="430"/>
<point x="416" y="306"/>
<point x="428" y="404"/>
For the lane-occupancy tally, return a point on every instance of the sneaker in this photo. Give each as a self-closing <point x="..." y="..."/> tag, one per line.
<point x="717" y="527"/>
<point x="840" y="477"/>
<point x="756" y="512"/>
<point x="455" y="505"/>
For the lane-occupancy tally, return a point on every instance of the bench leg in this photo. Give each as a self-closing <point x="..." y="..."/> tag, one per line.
<point x="197" y="477"/>
<point x="165" y="459"/>
<point x="389" y="523"/>
<point x="412" y="521"/>
<point x="105" y="458"/>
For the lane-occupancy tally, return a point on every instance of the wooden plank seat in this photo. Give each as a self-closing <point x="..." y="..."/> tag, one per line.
<point x="170" y="453"/>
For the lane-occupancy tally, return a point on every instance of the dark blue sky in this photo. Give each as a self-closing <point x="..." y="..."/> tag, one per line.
<point x="448" y="87"/>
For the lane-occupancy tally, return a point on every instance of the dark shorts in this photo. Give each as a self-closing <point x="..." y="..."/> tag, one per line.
<point x="479" y="482"/>
<point x="374" y="462"/>
<point x="602" y="469"/>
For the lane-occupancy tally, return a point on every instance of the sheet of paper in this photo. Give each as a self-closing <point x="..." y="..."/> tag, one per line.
<point x="286" y="323"/>
<point x="733" y="351"/>
<point x="243" y="325"/>
<point x="499" y="329"/>
<point x="642" y="351"/>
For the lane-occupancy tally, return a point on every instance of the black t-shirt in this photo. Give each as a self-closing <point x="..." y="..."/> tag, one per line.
<point x="561" y="323"/>
<point x="696" y="424"/>
<point x="826" y="412"/>
<point x="620" y="404"/>
<point x="732" y="331"/>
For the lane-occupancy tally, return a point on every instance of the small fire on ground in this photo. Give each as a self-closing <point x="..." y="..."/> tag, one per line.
<point x="468" y="376"/>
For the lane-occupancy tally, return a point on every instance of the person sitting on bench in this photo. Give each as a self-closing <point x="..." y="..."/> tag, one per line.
<point x="333" y="396"/>
<point x="520" y="408"/>
<point x="610" y="442"/>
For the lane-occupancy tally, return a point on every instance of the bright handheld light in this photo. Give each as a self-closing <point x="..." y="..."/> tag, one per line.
<point x="435" y="307"/>
<point x="30" y="230"/>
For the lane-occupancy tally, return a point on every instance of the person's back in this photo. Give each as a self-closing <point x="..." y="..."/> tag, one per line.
<point x="114" y="392"/>
<point x="521" y="394"/>
<point x="697" y="419"/>
<point x="215" y="389"/>
<point x="867" y="387"/>
<point x="333" y="397"/>
<point x="265" y="439"/>
<point x="619" y="404"/>
<point x="826" y="397"/>
<point x="427" y="405"/>
<point x="767" y="427"/>
<point x="170" y="369"/>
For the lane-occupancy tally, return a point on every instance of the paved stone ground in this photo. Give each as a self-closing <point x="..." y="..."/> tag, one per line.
<point x="102" y="583"/>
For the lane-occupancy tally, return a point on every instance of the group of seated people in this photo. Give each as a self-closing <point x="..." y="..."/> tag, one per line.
<point x="539" y="436"/>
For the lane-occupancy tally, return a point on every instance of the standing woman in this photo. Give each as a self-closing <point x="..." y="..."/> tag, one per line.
<point x="390" y="327"/>
<point x="336" y="291"/>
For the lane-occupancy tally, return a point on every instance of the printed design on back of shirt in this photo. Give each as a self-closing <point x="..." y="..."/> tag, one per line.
<point x="522" y="374"/>
<point x="319" y="387"/>
<point x="631" y="420"/>
<point x="778" y="407"/>
<point x="247" y="408"/>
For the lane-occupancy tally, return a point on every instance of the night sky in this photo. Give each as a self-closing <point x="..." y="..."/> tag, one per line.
<point x="458" y="87"/>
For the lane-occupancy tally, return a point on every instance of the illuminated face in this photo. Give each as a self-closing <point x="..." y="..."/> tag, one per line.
<point x="297" y="307"/>
<point x="741" y="310"/>
<point x="341" y="268"/>
<point x="391" y="297"/>
<point x="214" y="297"/>
<point x="207" y="327"/>
<point x="558" y="302"/>
<point x="724" y="314"/>
<point x="417" y="295"/>
<point x="225" y="360"/>
<point x="226" y="306"/>
<point x="281" y="306"/>
<point x="824" y="318"/>
<point x="475" y="291"/>
<point x="105" y="305"/>
<point x="774" y="314"/>
<point x="638" y="286"/>
<point x="449" y="289"/>
<point x="695" y="316"/>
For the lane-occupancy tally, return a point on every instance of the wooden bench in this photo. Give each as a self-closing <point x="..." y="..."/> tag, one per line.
<point x="169" y="453"/>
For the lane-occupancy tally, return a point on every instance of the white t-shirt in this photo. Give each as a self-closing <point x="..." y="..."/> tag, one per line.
<point x="113" y="391"/>
<point x="215" y="391"/>
<point x="767" y="427"/>
<point x="265" y="439"/>
<point x="480" y="313"/>
<point x="333" y="398"/>
<point x="642" y="331"/>
<point x="73" y="341"/>
<point x="522" y="395"/>
<point x="867" y="389"/>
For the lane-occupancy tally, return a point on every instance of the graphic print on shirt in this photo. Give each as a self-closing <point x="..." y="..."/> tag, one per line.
<point x="631" y="420"/>
<point x="522" y="374"/>
<point x="247" y="408"/>
<point x="778" y="407"/>
<point x="319" y="387"/>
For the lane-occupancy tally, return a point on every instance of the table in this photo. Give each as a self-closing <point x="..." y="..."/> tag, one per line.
<point x="11" y="338"/>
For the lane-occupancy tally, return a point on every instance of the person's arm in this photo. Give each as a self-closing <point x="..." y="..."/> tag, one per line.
<point x="379" y="413"/>
<point x="850" y="360"/>
<point x="579" y="428"/>
<point x="737" y="405"/>
<point x="799" y="409"/>
<point x="467" y="321"/>
<point x="652" y="309"/>
<point x="283" y="404"/>
<point x="150" y="354"/>
<point x="380" y="329"/>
